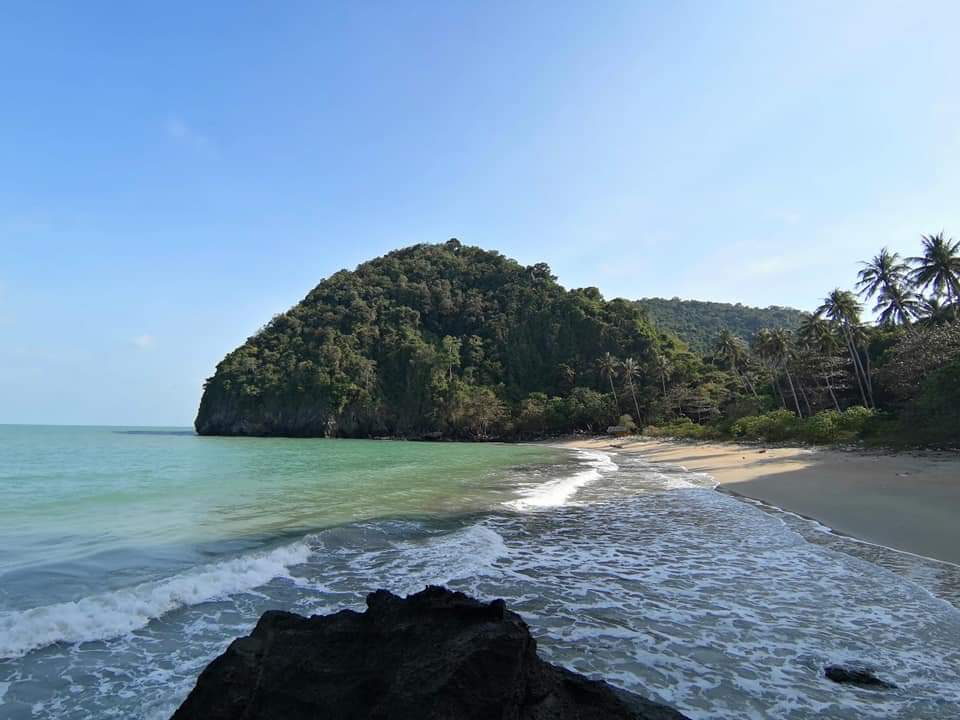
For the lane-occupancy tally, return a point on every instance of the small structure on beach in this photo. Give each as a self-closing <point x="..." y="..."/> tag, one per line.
<point x="618" y="430"/>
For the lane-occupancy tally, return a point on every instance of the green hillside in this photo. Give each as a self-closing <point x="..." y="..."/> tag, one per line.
<point x="698" y="323"/>
<point x="436" y="340"/>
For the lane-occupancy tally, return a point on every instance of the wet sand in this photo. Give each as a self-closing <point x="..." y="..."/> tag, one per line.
<point x="909" y="502"/>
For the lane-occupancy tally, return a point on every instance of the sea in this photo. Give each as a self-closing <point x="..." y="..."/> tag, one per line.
<point x="131" y="557"/>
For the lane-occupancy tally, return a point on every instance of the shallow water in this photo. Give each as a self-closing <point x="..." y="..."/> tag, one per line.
<point x="637" y="573"/>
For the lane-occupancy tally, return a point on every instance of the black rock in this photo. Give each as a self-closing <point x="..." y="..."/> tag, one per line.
<point x="856" y="676"/>
<point x="434" y="655"/>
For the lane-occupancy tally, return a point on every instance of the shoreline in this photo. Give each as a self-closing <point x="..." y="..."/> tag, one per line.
<point x="907" y="502"/>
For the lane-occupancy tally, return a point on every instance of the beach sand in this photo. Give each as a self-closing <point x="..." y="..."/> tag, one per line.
<point x="909" y="502"/>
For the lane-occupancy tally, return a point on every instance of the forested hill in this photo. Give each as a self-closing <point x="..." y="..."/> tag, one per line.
<point x="699" y="323"/>
<point x="437" y="340"/>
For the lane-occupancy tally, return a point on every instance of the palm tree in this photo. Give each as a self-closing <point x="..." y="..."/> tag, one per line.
<point x="938" y="267"/>
<point x="934" y="312"/>
<point x="608" y="368"/>
<point x="733" y="350"/>
<point x="630" y="370"/>
<point x="780" y="347"/>
<point x="883" y="271"/>
<point x="762" y="346"/>
<point x="817" y="333"/>
<point x="663" y="369"/>
<point x="842" y="308"/>
<point x="887" y="275"/>
<point x="897" y="305"/>
<point x="818" y="336"/>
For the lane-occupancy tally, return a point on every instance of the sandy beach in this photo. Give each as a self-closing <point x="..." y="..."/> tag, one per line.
<point x="909" y="502"/>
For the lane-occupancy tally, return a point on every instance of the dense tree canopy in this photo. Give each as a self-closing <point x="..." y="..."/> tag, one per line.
<point x="435" y="339"/>
<point x="698" y="323"/>
<point x="459" y="342"/>
<point x="838" y="378"/>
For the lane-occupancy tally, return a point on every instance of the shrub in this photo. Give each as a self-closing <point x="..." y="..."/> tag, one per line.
<point x="854" y="419"/>
<point x="822" y="427"/>
<point x="685" y="429"/>
<point x="775" y="426"/>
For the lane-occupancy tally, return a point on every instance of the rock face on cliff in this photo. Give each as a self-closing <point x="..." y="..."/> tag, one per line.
<point x="436" y="654"/>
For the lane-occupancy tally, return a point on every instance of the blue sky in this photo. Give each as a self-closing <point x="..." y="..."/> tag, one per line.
<point x="176" y="173"/>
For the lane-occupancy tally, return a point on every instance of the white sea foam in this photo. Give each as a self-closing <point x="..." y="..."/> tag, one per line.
<point x="557" y="492"/>
<point x="108" y="615"/>
<point x="645" y="577"/>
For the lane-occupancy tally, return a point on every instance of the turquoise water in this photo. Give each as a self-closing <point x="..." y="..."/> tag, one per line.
<point x="92" y="506"/>
<point x="130" y="557"/>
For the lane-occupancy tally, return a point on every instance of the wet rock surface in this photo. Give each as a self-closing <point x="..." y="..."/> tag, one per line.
<point x="852" y="675"/>
<point x="436" y="654"/>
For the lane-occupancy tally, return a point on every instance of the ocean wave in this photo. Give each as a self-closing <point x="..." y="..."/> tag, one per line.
<point x="554" y="493"/>
<point x="108" y="615"/>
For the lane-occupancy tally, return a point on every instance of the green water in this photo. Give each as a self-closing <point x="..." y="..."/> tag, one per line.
<point x="70" y="493"/>
<point x="130" y="558"/>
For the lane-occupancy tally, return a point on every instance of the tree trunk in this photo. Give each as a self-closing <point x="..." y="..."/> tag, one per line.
<point x="826" y="379"/>
<point x="636" y="405"/>
<point x="851" y="348"/>
<point x="776" y="384"/>
<point x="806" y="400"/>
<point x="793" y="390"/>
<point x="615" y="398"/>
<point x="869" y="376"/>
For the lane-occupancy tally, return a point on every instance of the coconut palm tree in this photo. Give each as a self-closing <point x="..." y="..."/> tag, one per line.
<point x="897" y="305"/>
<point x="934" y="312"/>
<point x="630" y="369"/>
<point x="733" y="350"/>
<point x="780" y="347"/>
<point x="938" y="267"/>
<point x="762" y="346"/>
<point x="817" y="335"/>
<point x="887" y="276"/>
<point x="886" y="269"/>
<point x="663" y="369"/>
<point x="842" y="307"/>
<point x="608" y="365"/>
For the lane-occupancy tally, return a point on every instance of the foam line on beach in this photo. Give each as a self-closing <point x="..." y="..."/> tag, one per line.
<point x="554" y="493"/>
<point x="111" y="614"/>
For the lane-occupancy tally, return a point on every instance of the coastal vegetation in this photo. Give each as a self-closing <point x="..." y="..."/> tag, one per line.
<point x="455" y="341"/>
<point x="837" y="378"/>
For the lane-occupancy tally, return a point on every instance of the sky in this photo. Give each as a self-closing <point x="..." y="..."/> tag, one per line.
<point x="174" y="174"/>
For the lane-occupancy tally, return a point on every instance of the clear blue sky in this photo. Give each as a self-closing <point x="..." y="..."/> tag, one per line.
<point x="173" y="174"/>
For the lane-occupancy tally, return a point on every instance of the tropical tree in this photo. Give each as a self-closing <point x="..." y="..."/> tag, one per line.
<point x="939" y="267"/>
<point x="609" y="365"/>
<point x="842" y="307"/>
<point x="631" y="369"/>
<point x="887" y="277"/>
<point x="885" y="270"/>
<point x="817" y="333"/>
<point x="817" y="336"/>
<point x="897" y="305"/>
<point x="733" y="351"/>
<point x="663" y="368"/>
<point x="934" y="312"/>
<point x="780" y="347"/>
<point x="763" y="348"/>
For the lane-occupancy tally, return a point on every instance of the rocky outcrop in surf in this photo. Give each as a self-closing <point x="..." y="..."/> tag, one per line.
<point x="436" y="654"/>
<point x="856" y="675"/>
